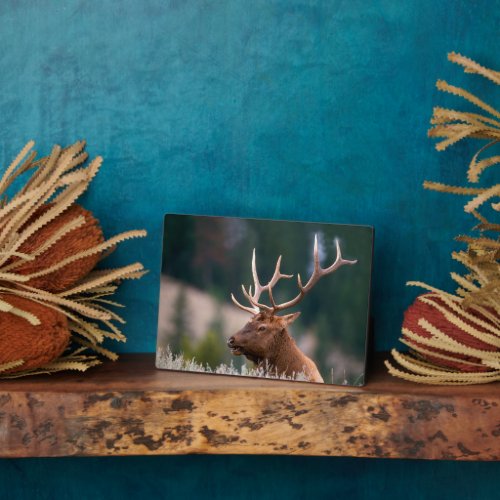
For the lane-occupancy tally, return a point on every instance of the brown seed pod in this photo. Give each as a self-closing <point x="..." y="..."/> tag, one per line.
<point x="77" y="240"/>
<point x="36" y="345"/>
<point x="430" y="312"/>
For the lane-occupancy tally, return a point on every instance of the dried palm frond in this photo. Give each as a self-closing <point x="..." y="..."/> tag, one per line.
<point x="439" y="357"/>
<point x="29" y="233"/>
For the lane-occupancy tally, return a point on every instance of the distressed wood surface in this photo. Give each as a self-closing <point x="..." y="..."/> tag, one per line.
<point x="130" y="408"/>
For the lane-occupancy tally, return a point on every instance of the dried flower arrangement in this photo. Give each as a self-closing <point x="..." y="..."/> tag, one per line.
<point x="55" y="310"/>
<point x="455" y="338"/>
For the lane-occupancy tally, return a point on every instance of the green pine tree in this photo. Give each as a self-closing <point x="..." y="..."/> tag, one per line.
<point x="212" y="349"/>
<point x="180" y="332"/>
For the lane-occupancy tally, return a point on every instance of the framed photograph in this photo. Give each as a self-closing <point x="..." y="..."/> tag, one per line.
<point x="265" y="298"/>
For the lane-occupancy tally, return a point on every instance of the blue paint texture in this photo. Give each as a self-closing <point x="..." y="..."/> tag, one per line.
<point x="301" y="110"/>
<point x="274" y="109"/>
<point x="238" y="478"/>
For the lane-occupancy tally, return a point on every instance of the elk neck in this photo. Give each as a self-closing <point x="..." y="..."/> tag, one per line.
<point x="284" y="349"/>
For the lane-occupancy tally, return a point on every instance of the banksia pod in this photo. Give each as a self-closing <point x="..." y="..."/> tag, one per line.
<point x="83" y="237"/>
<point x="455" y="338"/>
<point x="34" y="343"/>
<point x="465" y="337"/>
<point x="48" y="249"/>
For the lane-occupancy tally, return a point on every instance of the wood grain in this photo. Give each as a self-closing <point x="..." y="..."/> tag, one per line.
<point x="130" y="408"/>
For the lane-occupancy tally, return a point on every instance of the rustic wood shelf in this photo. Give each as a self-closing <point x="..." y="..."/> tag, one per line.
<point x="130" y="408"/>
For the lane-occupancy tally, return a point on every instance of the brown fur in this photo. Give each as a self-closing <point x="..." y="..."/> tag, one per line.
<point x="265" y="341"/>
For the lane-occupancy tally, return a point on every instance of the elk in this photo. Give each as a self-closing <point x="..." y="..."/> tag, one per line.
<point x="265" y="339"/>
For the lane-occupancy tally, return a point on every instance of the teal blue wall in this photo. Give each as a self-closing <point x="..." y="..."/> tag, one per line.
<point x="253" y="478"/>
<point x="288" y="109"/>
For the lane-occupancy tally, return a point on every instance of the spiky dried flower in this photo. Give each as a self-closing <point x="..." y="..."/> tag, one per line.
<point x="46" y="201"/>
<point x="474" y="309"/>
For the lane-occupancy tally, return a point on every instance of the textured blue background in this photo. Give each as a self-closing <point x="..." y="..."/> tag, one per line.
<point x="302" y="110"/>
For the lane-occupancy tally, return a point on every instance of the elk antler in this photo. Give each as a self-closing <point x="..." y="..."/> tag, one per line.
<point x="256" y="306"/>
<point x="317" y="274"/>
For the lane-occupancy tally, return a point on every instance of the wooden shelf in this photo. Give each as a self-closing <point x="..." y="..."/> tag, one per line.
<point x="130" y="408"/>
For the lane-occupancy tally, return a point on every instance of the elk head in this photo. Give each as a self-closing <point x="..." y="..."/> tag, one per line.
<point x="260" y="335"/>
<point x="265" y="337"/>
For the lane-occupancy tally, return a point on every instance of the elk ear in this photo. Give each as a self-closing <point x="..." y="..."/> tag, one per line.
<point x="290" y="318"/>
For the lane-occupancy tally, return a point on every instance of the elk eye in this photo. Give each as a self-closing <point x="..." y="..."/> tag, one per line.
<point x="261" y="328"/>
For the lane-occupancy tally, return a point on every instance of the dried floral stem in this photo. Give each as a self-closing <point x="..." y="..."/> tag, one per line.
<point x="475" y="309"/>
<point x="59" y="179"/>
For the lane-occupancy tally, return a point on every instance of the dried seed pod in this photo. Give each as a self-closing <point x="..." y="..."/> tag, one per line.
<point x="82" y="238"/>
<point x="455" y="325"/>
<point x="35" y="345"/>
<point x="53" y="246"/>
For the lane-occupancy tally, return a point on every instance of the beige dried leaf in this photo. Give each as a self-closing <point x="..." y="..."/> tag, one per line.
<point x="11" y="364"/>
<point x="475" y="309"/>
<point x="59" y="178"/>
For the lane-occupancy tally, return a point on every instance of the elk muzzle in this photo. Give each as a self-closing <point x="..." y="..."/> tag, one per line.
<point x="235" y="349"/>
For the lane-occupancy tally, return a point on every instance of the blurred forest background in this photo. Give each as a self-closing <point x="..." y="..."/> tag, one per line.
<point x="207" y="258"/>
